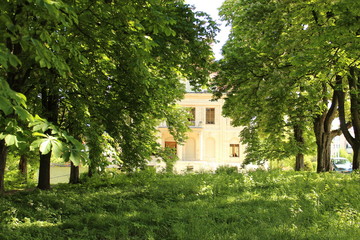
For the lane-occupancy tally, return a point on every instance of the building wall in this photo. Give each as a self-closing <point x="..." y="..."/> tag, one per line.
<point x="208" y="145"/>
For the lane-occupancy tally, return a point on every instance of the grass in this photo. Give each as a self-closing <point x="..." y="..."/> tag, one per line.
<point x="258" y="205"/>
<point x="61" y="174"/>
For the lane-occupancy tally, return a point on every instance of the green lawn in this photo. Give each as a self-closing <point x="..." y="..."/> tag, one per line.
<point x="258" y="205"/>
<point x="61" y="174"/>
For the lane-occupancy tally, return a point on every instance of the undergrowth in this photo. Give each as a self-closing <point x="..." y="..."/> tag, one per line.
<point x="227" y="205"/>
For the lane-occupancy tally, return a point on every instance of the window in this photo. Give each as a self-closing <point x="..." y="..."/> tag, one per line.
<point x="234" y="150"/>
<point x="191" y="118"/>
<point x="171" y="145"/>
<point x="210" y="115"/>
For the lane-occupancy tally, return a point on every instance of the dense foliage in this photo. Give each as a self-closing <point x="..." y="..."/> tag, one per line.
<point x="227" y="205"/>
<point x="283" y="63"/>
<point x="104" y="72"/>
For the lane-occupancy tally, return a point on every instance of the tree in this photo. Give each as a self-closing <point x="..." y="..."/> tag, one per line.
<point x="135" y="65"/>
<point x="12" y="104"/>
<point x="283" y="59"/>
<point x="33" y="43"/>
<point x="102" y="67"/>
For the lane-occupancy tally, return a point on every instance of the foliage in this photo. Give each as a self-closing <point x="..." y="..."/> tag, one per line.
<point x="279" y="70"/>
<point x="169" y="156"/>
<point x="345" y="154"/>
<point x="226" y="170"/>
<point x="94" y="67"/>
<point x="146" y="205"/>
<point x="264" y="91"/>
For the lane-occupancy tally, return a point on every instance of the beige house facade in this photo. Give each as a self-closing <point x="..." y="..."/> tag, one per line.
<point x="212" y="141"/>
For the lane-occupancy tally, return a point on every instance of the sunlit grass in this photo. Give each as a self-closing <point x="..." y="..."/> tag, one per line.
<point x="258" y="205"/>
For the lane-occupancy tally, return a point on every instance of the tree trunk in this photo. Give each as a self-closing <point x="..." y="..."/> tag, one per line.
<point x="354" y="86"/>
<point x="323" y="153"/>
<point x="74" y="174"/>
<point x="323" y="142"/>
<point x="299" y="138"/>
<point x="23" y="165"/>
<point x="3" y="156"/>
<point x="324" y="134"/>
<point x="327" y="153"/>
<point x="50" y="107"/>
<point x="299" y="163"/>
<point x="90" y="171"/>
<point x="356" y="156"/>
<point x="44" y="172"/>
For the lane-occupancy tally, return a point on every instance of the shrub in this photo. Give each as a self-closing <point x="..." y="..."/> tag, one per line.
<point x="226" y="169"/>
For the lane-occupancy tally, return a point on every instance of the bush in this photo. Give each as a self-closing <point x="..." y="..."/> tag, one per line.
<point x="226" y="169"/>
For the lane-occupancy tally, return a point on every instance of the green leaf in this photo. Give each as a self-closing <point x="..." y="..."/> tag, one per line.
<point x="14" y="60"/>
<point x="23" y="114"/>
<point x="11" y="140"/>
<point x="66" y="156"/>
<point x="45" y="147"/>
<point x="35" y="144"/>
<point x="20" y="98"/>
<point x="43" y="126"/>
<point x="78" y="145"/>
<point x="57" y="149"/>
<point x="75" y="157"/>
<point x="5" y="105"/>
<point x="37" y="134"/>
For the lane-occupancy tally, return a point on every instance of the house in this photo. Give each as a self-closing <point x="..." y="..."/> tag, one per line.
<point x="212" y="141"/>
<point x="338" y="143"/>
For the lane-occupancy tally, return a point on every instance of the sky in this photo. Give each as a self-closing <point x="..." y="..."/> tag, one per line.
<point x="211" y="7"/>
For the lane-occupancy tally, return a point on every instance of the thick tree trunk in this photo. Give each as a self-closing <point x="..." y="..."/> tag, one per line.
<point x="323" y="153"/>
<point x="324" y="134"/>
<point x="323" y="142"/>
<point x="44" y="172"/>
<point x="74" y="174"/>
<point x="3" y="156"/>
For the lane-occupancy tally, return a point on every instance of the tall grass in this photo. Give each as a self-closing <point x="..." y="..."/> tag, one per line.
<point x="146" y="205"/>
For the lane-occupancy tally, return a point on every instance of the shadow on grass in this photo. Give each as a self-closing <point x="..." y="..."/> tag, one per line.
<point x="257" y="206"/>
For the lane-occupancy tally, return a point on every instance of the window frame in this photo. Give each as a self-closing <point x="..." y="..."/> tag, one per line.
<point x="171" y="145"/>
<point x="234" y="149"/>
<point x="210" y="116"/>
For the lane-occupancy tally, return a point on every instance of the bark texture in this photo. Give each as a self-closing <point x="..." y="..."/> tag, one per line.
<point x="3" y="155"/>
<point x="50" y="106"/>
<point x="324" y="134"/>
<point x="74" y="174"/>
<point x="44" y="172"/>
<point x="23" y="166"/>
<point x="354" y="86"/>
<point x="299" y="138"/>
